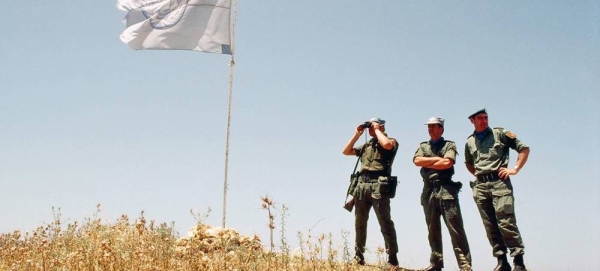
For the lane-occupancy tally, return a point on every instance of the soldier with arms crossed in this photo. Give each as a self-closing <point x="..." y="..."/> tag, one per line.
<point x="486" y="157"/>
<point x="376" y="157"/>
<point x="436" y="158"/>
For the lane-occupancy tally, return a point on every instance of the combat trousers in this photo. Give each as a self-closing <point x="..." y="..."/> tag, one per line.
<point x="442" y="201"/>
<point x="496" y="205"/>
<point x="366" y="198"/>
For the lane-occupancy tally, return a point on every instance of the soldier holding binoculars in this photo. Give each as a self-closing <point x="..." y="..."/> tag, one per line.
<point x="375" y="186"/>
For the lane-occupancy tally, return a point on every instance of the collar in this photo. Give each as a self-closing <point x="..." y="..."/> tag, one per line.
<point x="441" y="139"/>
<point x="482" y="134"/>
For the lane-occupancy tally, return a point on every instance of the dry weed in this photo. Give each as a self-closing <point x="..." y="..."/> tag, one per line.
<point x="139" y="244"/>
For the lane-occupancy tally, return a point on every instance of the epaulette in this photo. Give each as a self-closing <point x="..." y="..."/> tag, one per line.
<point x="450" y="141"/>
<point x="424" y="142"/>
<point x="507" y="132"/>
<point x="471" y="135"/>
<point x="510" y="134"/>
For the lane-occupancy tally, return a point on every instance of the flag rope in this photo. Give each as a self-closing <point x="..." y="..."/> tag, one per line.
<point x="231" y="65"/>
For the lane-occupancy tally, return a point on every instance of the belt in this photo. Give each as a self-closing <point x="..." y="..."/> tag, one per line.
<point x="373" y="173"/>
<point x="439" y="182"/>
<point x="371" y="176"/>
<point x="488" y="177"/>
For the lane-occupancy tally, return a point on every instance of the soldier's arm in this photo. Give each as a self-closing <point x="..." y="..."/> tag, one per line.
<point x="433" y="162"/>
<point x="521" y="160"/>
<point x="422" y="161"/>
<point x="349" y="148"/>
<point x="449" y="157"/>
<point x="384" y="141"/>
<point x="469" y="159"/>
<point x="471" y="168"/>
<point x="442" y="163"/>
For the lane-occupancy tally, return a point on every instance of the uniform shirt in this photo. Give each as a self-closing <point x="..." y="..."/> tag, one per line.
<point x="491" y="152"/>
<point x="441" y="148"/>
<point x="376" y="158"/>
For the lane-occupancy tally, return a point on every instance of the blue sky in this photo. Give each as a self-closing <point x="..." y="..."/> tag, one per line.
<point x="86" y="120"/>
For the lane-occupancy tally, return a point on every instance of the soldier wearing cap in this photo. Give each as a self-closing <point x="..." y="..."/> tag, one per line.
<point x="376" y="157"/>
<point x="486" y="157"/>
<point x="436" y="158"/>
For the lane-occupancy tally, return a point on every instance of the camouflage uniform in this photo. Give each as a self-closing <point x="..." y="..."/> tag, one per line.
<point x="376" y="166"/>
<point x="440" y="198"/>
<point x="494" y="197"/>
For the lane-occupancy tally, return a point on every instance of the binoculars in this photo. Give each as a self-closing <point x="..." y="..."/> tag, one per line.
<point x="366" y="124"/>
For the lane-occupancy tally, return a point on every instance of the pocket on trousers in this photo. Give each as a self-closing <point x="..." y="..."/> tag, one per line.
<point x="449" y="192"/>
<point x="382" y="186"/>
<point x="504" y="201"/>
<point x="387" y="186"/>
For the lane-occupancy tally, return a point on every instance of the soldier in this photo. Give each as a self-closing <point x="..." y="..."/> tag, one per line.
<point x="376" y="157"/>
<point x="436" y="158"/>
<point x="486" y="157"/>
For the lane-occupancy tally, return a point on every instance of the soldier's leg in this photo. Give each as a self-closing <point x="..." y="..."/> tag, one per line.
<point x="453" y="218"/>
<point x="432" y="210"/>
<point x="362" y="206"/>
<point x="507" y="221"/>
<point x="383" y="211"/>
<point x="485" y="204"/>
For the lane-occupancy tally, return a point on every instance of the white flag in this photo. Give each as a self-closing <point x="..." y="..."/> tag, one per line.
<point x="200" y="25"/>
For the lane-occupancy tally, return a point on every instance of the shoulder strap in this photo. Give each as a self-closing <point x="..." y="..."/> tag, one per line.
<point x="359" y="155"/>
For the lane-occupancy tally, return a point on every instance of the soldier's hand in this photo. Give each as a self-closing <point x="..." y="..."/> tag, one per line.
<point x="360" y="129"/>
<point x="376" y="126"/>
<point x="503" y="173"/>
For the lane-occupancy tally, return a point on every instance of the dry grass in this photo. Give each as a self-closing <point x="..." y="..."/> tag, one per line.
<point x="95" y="244"/>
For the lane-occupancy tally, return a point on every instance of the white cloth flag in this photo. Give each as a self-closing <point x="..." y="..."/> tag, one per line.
<point x="199" y="25"/>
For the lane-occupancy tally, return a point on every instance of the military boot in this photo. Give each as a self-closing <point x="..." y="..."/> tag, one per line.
<point x="503" y="264"/>
<point x="359" y="257"/>
<point x="519" y="264"/>
<point x="393" y="259"/>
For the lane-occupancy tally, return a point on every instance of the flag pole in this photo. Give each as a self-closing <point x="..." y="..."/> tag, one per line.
<point x="231" y="66"/>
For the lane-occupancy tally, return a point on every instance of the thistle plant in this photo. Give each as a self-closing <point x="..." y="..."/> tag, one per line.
<point x="268" y="204"/>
